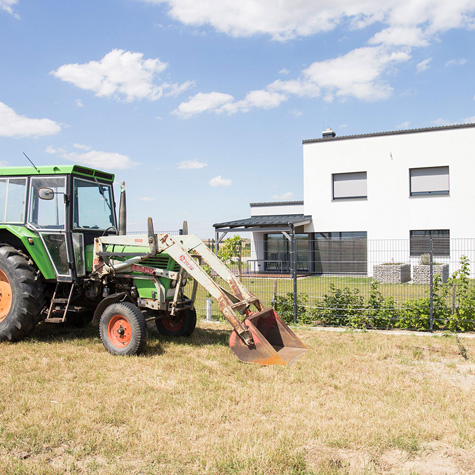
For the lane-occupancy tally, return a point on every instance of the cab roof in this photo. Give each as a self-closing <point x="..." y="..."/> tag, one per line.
<point x="56" y="170"/>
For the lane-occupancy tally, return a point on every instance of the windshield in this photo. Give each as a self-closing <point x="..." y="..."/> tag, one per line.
<point x="93" y="205"/>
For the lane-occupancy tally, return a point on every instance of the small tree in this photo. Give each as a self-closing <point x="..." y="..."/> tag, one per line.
<point x="231" y="249"/>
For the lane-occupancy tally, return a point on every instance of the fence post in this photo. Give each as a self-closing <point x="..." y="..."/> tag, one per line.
<point x="294" y="269"/>
<point x="431" y="253"/>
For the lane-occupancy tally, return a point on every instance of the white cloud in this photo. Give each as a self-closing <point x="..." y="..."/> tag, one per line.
<point x="202" y="102"/>
<point x="220" y="181"/>
<point x="400" y="36"/>
<point x="469" y="120"/>
<point x="82" y="147"/>
<point x="284" y="196"/>
<point x="94" y="158"/>
<point x="357" y="74"/>
<point x="7" y="6"/>
<point x="456" y="62"/>
<point x="79" y="103"/>
<point x="417" y="20"/>
<point x="440" y="122"/>
<point x="121" y="74"/>
<point x="146" y="198"/>
<point x="224" y="103"/>
<point x="297" y="87"/>
<point x="14" y="125"/>
<point x="296" y="112"/>
<point x="423" y="65"/>
<point x="191" y="165"/>
<point x="261" y="99"/>
<point x="403" y="125"/>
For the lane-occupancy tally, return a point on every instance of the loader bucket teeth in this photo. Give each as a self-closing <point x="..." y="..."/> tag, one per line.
<point x="274" y="342"/>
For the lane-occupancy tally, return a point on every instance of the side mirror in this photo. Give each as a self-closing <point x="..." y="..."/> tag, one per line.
<point x="45" y="193"/>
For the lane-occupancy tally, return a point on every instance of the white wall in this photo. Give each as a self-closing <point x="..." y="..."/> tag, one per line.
<point x="257" y="252"/>
<point x="389" y="212"/>
<point x="275" y="208"/>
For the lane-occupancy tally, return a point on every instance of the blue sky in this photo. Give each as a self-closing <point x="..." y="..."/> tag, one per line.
<point x="201" y="105"/>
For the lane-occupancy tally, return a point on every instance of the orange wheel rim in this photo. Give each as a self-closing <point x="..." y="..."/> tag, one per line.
<point x="119" y="331"/>
<point x="5" y="296"/>
<point x="173" y="324"/>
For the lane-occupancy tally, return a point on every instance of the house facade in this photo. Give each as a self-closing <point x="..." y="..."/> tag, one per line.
<point x="377" y="198"/>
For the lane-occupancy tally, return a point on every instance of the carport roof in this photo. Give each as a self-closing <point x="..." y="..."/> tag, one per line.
<point x="275" y="222"/>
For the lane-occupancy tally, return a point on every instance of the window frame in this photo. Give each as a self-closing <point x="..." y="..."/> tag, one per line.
<point x="346" y="198"/>
<point x="413" y="194"/>
<point x="440" y="248"/>
<point x="75" y="204"/>
<point x="4" y="211"/>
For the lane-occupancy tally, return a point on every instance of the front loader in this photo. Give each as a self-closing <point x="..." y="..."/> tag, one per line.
<point x="63" y="260"/>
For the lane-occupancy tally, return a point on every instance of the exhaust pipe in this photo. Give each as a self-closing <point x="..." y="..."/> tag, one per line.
<point x="122" y="211"/>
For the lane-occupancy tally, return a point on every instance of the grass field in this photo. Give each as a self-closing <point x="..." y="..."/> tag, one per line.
<point x="364" y="403"/>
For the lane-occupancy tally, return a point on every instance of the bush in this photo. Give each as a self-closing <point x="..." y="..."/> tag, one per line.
<point x="340" y="307"/>
<point x="284" y="307"/>
<point x="462" y="319"/>
<point x="415" y="314"/>
<point x="380" y="311"/>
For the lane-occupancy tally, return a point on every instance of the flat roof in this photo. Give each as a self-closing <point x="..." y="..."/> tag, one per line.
<point x="274" y="220"/>
<point x="392" y="132"/>
<point x="277" y="203"/>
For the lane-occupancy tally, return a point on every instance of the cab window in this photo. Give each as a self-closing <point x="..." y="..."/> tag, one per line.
<point x="93" y="205"/>
<point x="47" y="214"/>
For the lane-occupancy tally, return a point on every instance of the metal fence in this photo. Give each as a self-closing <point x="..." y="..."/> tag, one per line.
<point x="424" y="283"/>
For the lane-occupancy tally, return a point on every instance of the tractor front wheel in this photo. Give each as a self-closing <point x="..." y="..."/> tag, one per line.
<point x="183" y="323"/>
<point x="123" y="329"/>
<point x="21" y="295"/>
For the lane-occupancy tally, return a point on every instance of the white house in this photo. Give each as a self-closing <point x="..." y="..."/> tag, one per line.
<point x="373" y="198"/>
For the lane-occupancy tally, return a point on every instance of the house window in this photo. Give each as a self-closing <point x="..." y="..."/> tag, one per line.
<point x="420" y="242"/>
<point x="349" y="185"/>
<point x="429" y="181"/>
<point x="341" y="253"/>
<point x="277" y="253"/>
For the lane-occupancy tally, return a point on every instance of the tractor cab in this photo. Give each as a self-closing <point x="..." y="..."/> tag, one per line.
<point x="67" y="207"/>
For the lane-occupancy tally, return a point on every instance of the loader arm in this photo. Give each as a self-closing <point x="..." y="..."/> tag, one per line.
<point x="238" y="300"/>
<point x="262" y="337"/>
<point x="186" y="251"/>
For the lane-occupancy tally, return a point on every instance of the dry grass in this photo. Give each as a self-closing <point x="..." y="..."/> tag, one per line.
<point x="355" y="403"/>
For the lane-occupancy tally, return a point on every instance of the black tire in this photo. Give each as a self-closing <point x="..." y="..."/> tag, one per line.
<point x="182" y="324"/>
<point x="123" y="329"/>
<point x="21" y="295"/>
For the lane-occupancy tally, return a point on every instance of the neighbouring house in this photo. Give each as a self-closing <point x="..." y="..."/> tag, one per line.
<point x="370" y="199"/>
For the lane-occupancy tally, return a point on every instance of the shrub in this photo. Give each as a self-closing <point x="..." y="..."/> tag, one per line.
<point x="462" y="319"/>
<point x="380" y="311"/>
<point x="284" y="307"/>
<point x="341" y="306"/>
<point x="415" y="313"/>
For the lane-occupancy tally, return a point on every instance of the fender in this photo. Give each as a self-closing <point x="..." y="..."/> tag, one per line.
<point x="113" y="298"/>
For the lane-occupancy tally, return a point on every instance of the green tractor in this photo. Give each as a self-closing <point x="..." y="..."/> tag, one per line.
<point x="65" y="259"/>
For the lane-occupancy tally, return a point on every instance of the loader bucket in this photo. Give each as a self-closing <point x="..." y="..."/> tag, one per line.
<point x="274" y="342"/>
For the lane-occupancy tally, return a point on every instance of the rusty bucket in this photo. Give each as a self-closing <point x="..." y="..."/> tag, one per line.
<point x="274" y="342"/>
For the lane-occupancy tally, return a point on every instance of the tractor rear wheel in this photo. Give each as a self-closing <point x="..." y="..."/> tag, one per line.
<point x="21" y="295"/>
<point x="181" y="324"/>
<point x="123" y="329"/>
